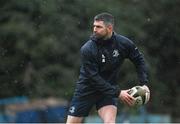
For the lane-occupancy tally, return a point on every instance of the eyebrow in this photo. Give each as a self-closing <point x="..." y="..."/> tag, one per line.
<point x="97" y="26"/>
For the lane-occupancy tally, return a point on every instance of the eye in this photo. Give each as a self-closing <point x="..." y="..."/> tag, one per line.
<point x="97" y="26"/>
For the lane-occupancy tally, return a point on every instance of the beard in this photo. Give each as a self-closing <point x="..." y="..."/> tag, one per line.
<point x="99" y="36"/>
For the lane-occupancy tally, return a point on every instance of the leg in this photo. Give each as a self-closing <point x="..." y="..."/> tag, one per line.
<point x="73" y="119"/>
<point x="108" y="113"/>
<point x="78" y="109"/>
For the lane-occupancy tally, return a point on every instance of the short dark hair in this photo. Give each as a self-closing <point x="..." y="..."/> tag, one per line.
<point x="107" y="18"/>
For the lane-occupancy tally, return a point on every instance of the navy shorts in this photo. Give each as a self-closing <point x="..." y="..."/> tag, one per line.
<point x="80" y="107"/>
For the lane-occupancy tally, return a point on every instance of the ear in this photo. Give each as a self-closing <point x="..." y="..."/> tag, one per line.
<point x="110" y="27"/>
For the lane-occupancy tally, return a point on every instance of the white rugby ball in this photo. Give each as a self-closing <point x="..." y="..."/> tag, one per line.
<point x="140" y="94"/>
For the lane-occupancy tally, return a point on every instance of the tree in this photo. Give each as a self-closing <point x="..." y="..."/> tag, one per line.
<point x="40" y="42"/>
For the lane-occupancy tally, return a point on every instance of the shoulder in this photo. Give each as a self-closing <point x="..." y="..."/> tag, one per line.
<point x="122" y="40"/>
<point x="88" y="47"/>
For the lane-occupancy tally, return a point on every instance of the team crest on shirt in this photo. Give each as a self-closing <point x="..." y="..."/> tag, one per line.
<point x="115" y="53"/>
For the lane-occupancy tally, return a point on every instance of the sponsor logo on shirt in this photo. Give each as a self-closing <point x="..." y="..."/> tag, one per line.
<point x="103" y="58"/>
<point x="115" y="53"/>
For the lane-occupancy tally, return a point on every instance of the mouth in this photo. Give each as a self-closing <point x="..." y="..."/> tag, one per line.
<point x="96" y="35"/>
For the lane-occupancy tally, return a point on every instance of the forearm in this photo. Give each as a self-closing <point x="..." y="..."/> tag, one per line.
<point x="141" y="69"/>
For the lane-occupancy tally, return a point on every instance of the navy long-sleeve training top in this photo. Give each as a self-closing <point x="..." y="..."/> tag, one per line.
<point x="100" y="64"/>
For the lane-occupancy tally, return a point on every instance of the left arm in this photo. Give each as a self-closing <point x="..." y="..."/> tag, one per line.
<point x="137" y="58"/>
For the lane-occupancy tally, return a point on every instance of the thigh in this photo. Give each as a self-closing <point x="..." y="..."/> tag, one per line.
<point x="104" y="101"/>
<point x="80" y="107"/>
<point x="108" y="113"/>
<point x="107" y="109"/>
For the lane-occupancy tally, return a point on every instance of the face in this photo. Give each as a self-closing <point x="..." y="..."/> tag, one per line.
<point x="100" y="30"/>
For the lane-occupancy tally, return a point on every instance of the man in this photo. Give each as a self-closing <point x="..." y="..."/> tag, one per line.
<point x="101" y="58"/>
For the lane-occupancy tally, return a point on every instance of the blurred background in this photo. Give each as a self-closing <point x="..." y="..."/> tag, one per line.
<point x="40" y="59"/>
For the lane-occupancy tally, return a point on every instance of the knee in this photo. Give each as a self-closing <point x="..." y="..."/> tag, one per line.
<point x="109" y="120"/>
<point x="72" y="119"/>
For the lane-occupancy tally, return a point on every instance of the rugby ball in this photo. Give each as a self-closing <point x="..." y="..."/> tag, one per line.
<point x="140" y="94"/>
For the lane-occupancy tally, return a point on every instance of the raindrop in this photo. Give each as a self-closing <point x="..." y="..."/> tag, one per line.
<point x="148" y="19"/>
<point x="15" y="81"/>
<point x="44" y="2"/>
<point x="7" y="71"/>
<point x="39" y="17"/>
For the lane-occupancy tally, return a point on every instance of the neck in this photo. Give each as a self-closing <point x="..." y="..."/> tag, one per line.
<point x="108" y="36"/>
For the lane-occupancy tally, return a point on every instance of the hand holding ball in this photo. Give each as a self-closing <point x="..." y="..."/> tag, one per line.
<point x="141" y="95"/>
